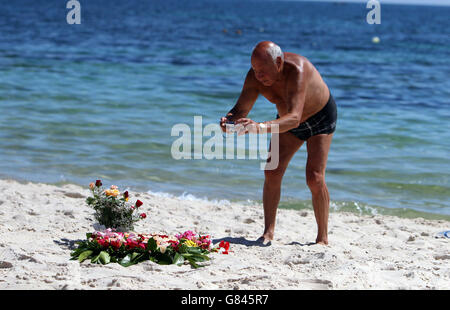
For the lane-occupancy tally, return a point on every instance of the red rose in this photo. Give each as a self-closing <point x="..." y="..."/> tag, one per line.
<point x="143" y="215"/>
<point x="224" y="245"/>
<point x="125" y="194"/>
<point x="103" y="242"/>
<point x="131" y="244"/>
<point x="139" y="203"/>
<point x="98" y="183"/>
<point x="116" y="244"/>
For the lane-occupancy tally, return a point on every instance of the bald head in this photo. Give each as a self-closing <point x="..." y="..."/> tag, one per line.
<point x="267" y="62"/>
<point x="267" y="50"/>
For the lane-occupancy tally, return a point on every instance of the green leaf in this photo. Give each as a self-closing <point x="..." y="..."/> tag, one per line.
<point x="78" y="251"/>
<point x="88" y="235"/>
<point x="183" y="248"/>
<point x="131" y="259"/>
<point x="164" y="259"/>
<point x="104" y="257"/>
<point x="84" y="255"/>
<point x="192" y="262"/>
<point x="178" y="259"/>
<point x="134" y="255"/>
<point x="196" y="257"/>
<point x="94" y="260"/>
<point x="126" y="261"/>
<point x="200" y="258"/>
<point x="163" y="262"/>
<point x="151" y="245"/>
<point x="193" y="250"/>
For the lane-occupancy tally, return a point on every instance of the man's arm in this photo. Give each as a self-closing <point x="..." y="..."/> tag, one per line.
<point x="246" y="100"/>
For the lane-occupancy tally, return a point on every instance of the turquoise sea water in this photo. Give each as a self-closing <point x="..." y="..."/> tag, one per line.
<point x="99" y="100"/>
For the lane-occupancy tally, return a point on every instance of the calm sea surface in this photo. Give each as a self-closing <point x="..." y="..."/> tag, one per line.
<point x="99" y="100"/>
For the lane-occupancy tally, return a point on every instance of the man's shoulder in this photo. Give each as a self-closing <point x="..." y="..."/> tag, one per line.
<point x="298" y="65"/>
<point x="293" y="70"/>
<point x="294" y="57"/>
<point x="297" y="59"/>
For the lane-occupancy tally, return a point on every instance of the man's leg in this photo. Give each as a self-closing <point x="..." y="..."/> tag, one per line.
<point x="318" y="147"/>
<point x="288" y="145"/>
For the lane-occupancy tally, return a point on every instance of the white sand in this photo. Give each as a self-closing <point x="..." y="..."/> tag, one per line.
<point x="39" y="222"/>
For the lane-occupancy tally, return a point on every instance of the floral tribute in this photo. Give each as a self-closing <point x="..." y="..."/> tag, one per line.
<point x="112" y="208"/>
<point x="116" y="245"/>
<point x="109" y="246"/>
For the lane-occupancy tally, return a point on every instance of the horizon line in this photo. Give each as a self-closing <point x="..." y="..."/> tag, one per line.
<point x="382" y="2"/>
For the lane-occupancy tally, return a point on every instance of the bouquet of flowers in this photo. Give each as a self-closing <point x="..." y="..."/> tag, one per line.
<point x="127" y="249"/>
<point x="112" y="208"/>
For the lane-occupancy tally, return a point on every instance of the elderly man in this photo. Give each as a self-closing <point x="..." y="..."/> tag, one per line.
<point x="306" y="112"/>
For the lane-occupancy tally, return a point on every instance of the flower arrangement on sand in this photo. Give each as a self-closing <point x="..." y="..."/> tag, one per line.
<point x="108" y="246"/>
<point x="112" y="208"/>
<point x="116" y="245"/>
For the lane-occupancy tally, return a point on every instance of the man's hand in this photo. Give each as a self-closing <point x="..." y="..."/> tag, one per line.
<point x="249" y="126"/>
<point x="224" y="121"/>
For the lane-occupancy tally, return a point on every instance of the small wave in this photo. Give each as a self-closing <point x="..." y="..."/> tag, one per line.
<point x="190" y="197"/>
<point x="354" y="206"/>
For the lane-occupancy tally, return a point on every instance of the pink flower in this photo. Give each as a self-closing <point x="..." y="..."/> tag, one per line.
<point x="189" y="235"/>
<point x="174" y="244"/>
<point x="204" y="242"/>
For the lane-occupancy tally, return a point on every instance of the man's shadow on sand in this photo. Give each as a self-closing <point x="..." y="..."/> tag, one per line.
<point x="69" y="244"/>
<point x="259" y="242"/>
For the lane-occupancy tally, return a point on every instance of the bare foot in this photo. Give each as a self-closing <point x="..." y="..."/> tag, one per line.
<point x="322" y="241"/>
<point x="264" y="240"/>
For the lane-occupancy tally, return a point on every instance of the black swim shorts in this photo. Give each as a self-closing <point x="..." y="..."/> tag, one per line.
<point x="323" y="122"/>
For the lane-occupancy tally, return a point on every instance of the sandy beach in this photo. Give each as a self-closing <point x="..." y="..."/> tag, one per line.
<point x="39" y="224"/>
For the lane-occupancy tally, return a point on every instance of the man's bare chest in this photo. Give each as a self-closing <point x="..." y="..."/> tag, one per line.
<point x="277" y="97"/>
